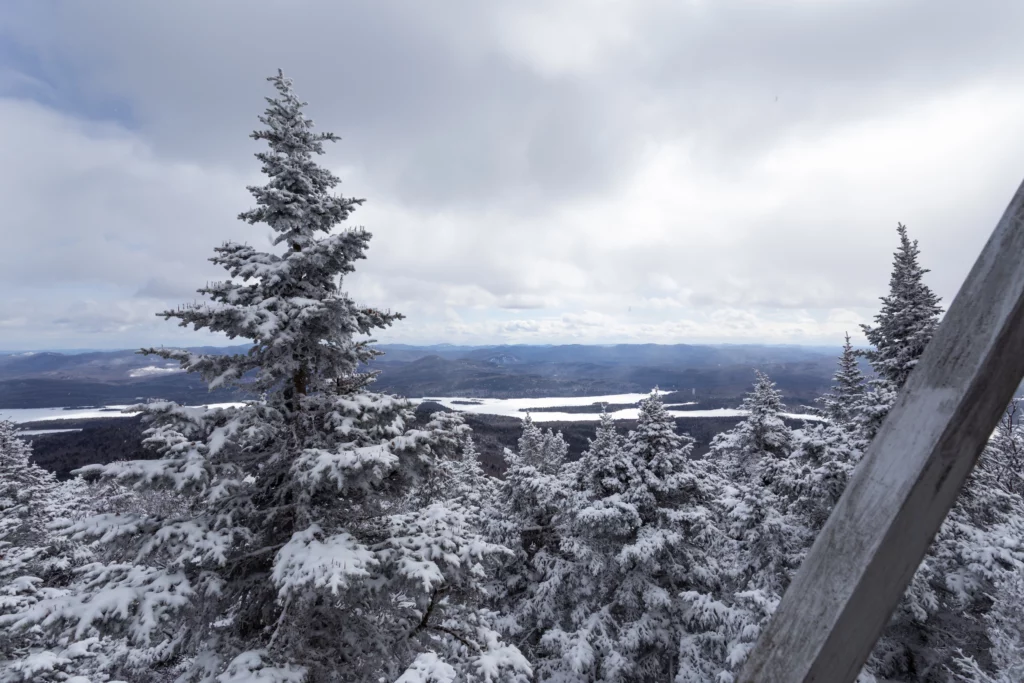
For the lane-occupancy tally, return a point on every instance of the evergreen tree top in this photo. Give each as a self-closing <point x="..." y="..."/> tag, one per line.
<point x="764" y="399"/>
<point x="655" y="432"/>
<point x="764" y="431"/>
<point x="543" y="450"/>
<point x="14" y="451"/>
<point x="908" y="318"/>
<point x="605" y="468"/>
<point x="840" y="403"/>
<point x="289" y="304"/>
<point x="295" y="203"/>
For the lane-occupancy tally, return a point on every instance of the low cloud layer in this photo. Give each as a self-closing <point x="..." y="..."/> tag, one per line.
<point x="534" y="172"/>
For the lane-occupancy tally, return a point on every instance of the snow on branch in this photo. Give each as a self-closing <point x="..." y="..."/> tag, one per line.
<point x="345" y="469"/>
<point x="310" y="558"/>
<point x="249" y="667"/>
<point x="428" y="668"/>
<point x="139" y="595"/>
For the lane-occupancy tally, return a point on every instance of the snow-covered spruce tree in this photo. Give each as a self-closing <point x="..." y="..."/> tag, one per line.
<point x="299" y="557"/>
<point x="631" y="600"/>
<point x="26" y="498"/>
<point x="763" y="502"/>
<point x="529" y="498"/>
<point x="839" y="405"/>
<point x="903" y="327"/>
<point x="606" y="470"/>
<point x="457" y="476"/>
<point x="533" y="487"/>
<point x="576" y="638"/>
<point x="816" y="473"/>
<point x="542" y="450"/>
<point x="26" y="491"/>
<point x="471" y="486"/>
<point x="36" y="562"/>
<point x="450" y="432"/>
<point x="824" y="453"/>
<point x="1005" y="629"/>
<point x="763" y="433"/>
<point x="639" y="535"/>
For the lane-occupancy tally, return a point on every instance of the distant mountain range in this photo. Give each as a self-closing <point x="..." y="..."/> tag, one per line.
<point x="719" y="372"/>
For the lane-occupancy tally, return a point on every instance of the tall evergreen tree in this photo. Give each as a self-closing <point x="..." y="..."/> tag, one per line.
<point x="24" y="489"/>
<point x="825" y="453"/>
<point x="840" y="403"/>
<point x="457" y="479"/>
<point x="902" y="330"/>
<point x="541" y="449"/>
<point x="633" y="533"/>
<point x="470" y="485"/>
<point x="530" y="498"/>
<point x="659" y="540"/>
<point x="298" y="556"/>
<point x="26" y="496"/>
<point x="450" y="432"/>
<point x="594" y="521"/>
<point x="909" y="316"/>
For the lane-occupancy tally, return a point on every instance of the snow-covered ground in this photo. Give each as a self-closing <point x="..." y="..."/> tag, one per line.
<point x="510" y="407"/>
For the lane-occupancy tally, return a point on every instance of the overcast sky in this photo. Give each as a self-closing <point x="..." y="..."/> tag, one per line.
<point x="535" y="171"/>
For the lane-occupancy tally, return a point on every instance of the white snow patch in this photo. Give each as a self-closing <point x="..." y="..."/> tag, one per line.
<point x="428" y="668"/>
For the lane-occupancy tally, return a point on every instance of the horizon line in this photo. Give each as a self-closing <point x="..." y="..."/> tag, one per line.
<point x="112" y="349"/>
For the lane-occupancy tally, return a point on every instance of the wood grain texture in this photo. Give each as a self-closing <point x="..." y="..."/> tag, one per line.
<point x="859" y="566"/>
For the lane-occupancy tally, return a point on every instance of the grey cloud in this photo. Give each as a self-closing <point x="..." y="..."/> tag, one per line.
<point x="164" y="288"/>
<point x="474" y="158"/>
<point x="433" y="119"/>
<point x="522" y="302"/>
<point x="438" y="114"/>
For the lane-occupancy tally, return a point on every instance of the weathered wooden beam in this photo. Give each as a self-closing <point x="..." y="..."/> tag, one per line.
<point x="859" y="566"/>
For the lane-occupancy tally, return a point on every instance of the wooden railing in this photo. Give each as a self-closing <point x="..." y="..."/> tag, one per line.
<point x="859" y="566"/>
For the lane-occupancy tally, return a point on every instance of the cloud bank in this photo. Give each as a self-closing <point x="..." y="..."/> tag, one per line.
<point x="534" y="172"/>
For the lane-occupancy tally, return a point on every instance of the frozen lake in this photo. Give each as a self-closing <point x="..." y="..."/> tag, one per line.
<point x="37" y="432"/>
<point x="515" y="407"/>
<point x="20" y="415"/>
<point x="509" y="407"/>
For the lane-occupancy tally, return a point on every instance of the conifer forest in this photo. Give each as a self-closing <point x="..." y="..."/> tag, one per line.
<point x="317" y="532"/>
